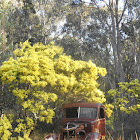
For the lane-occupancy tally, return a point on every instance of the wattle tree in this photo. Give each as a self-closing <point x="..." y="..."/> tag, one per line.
<point x="40" y="75"/>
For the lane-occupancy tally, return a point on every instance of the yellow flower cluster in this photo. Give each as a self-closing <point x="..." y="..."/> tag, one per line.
<point x="24" y="126"/>
<point x="5" y="126"/>
<point x="109" y="109"/>
<point x="126" y="93"/>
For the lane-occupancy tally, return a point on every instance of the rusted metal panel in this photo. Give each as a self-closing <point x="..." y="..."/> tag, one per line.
<point x="83" y="105"/>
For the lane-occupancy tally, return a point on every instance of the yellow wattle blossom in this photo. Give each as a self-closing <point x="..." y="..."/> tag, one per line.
<point x="5" y="126"/>
<point x="126" y="92"/>
<point x="102" y="71"/>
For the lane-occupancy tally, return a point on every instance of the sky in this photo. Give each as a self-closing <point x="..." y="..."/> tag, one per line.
<point x="107" y="1"/>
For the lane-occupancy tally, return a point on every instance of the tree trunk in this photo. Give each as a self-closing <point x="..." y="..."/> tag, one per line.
<point x="115" y="41"/>
<point x="3" y="29"/>
<point x="138" y="63"/>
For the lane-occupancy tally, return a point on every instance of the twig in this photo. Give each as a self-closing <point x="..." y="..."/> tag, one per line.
<point x="136" y="135"/>
<point x="109" y="135"/>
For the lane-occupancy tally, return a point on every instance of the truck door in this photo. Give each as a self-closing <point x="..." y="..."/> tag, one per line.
<point x="102" y="125"/>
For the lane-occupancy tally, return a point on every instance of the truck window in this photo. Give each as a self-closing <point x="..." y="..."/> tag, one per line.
<point x="80" y="112"/>
<point x="88" y="112"/>
<point x="71" y="112"/>
<point x="101" y="115"/>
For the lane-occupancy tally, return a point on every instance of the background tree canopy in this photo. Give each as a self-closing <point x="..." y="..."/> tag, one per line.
<point x="106" y="32"/>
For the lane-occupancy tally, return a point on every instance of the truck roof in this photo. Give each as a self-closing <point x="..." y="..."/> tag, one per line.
<point x="83" y="105"/>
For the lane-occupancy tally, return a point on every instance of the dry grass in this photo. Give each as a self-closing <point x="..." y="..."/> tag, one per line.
<point x="121" y="137"/>
<point x="36" y="135"/>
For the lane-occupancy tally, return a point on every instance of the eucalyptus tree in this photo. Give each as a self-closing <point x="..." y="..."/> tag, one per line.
<point x="51" y="15"/>
<point x="6" y="9"/>
<point x="109" y="18"/>
<point x="131" y="38"/>
<point x="123" y="34"/>
<point x="25" y="25"/>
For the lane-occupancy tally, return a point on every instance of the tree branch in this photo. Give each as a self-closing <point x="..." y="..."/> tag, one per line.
<point x="123" y="12"/>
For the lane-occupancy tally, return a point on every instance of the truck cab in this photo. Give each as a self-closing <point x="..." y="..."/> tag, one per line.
<point x="83" y="121"/>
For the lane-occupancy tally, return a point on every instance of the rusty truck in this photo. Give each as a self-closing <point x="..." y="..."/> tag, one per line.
<point x="81" y="121"/>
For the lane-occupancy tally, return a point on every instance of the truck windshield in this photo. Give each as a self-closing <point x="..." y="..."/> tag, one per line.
<point x="80" y="112"/>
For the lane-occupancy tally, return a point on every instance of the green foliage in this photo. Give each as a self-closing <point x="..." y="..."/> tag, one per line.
<point x="126" y="97"/>
<point x="24" y="24"/>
